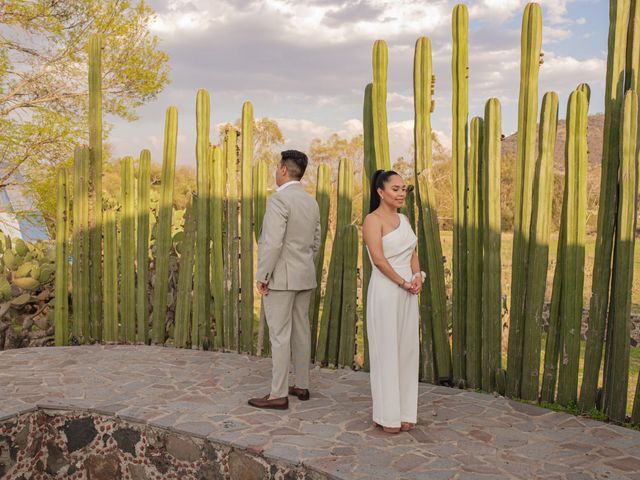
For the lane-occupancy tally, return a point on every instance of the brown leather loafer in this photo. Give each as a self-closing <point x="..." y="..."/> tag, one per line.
<point x="301" y="393"/>
<point x="275" y="403"/>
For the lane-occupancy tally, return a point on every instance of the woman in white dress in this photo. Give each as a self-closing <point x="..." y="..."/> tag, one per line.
<point x="392" y="305"/>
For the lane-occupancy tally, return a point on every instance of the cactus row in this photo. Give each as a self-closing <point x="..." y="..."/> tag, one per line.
<point x="323" y="197"/>
<point x="616" y="378"/>
<point x="95" y="185"/>
<point x="539" y="247"/>
<point x="460" y="112"/>
<point x="246" y="235"/>
<point x="491" y="245"/>
<point x="433" y="306"/>
<point x="163" y="227"/>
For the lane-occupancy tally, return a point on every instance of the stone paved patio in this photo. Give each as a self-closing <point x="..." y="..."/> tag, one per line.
<point x="460" y="434"/>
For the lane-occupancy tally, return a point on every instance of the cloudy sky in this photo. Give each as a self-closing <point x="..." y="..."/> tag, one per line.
<point x="306" y="63"/>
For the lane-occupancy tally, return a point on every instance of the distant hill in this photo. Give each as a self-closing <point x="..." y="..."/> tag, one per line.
<point x="595" y="128"/>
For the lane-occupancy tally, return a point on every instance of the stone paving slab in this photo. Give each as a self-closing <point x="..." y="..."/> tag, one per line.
<point x="459" y="435"/>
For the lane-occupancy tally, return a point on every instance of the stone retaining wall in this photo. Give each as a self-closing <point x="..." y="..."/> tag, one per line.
<point x="80" y="445"/>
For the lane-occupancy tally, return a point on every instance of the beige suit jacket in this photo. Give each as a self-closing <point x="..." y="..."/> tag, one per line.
<point x="289" y="241"/>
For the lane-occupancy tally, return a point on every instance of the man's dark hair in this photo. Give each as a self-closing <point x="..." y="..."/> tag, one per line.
<point x="296" y="163"/>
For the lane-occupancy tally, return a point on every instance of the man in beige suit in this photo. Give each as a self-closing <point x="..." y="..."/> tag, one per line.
<point x="286" y="277"/>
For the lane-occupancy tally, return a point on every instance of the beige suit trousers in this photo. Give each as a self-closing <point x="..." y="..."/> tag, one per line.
<point x="287" y="313"/>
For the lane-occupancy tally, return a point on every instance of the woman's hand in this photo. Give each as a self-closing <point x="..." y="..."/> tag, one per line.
<point x="416" y="284"/>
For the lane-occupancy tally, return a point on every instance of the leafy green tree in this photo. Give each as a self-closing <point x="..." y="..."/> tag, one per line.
<point x="43" y="80"/>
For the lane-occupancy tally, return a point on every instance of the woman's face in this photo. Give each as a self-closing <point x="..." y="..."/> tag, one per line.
<point x="394" y="192"/>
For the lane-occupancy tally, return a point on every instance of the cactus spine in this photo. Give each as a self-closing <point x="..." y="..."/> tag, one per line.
<point x="163" y="228"/>
<point x="323" y="197"/>
<point x="110" y="284"/>
<point x="433" y="306"/>
<point x="61" y="307"/>
<point x="531" y="39"/>
<point x="246" y="236"/>
<point x="200" y="327"/>
<point x="348" y="315"/>
<point x="379" y="105"/>
<point x="573" y="261"/>
<point x="95" y="188"/>
<point x="217" y="195"/>
<point x="616" y="376"/>
<point x="491" y="245"/>
<point x="460" y="108"/>
<point x="619" y="19"/>
<point x="142" y="246"/>
<point x="474" y="255"/>
<point x="80" y="267"/>
<point x="186" y="278"/>
<point x="232" y="293"/>
<point x="539" y="247"/>
<point x="367" y="172"/>
<point x="127" y="252"/>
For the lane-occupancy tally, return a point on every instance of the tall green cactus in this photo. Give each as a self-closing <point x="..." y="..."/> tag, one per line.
<point x="323" y="197"/>
<point x="232" y="273"/>
<point x="163" y="228"/>
<point x="574" y="249"/>
<point x="539" y="247"/>
<point x="343" y="219"/>
<point x="142" y="247"/>
<point x="348" y="314"/>
<point x="127" y="251"/>
<point x="200" y="327"/>
<point x="259" y="206"/>
<point x="95" y="184"/>
<point x="110" y="283"/>
<point x="217" y="196"/>
<point x="491" y="245"/>
<point x="379" y="105"/>
<point x="460" y="109"/>
<point x="369" y="166"/>
<point x="422" y="75"/>
<point x="616" y="378"/>
<point x="531" y="39"/>
<point x="328" y="341"/>
<point x="474" y="255"/>
<point x="61" y="307"/>
<point x="246" y="235"/>
<point x="434" y="346"/>
<point x="80" y="266"/>
<point x="186" y="277"/>
<point x="618" y="22"/>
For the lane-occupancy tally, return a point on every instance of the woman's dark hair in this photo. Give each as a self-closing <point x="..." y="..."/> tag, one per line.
<point x="379" y="178"/>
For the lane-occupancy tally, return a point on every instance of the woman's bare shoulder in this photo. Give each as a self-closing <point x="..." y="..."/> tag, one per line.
<point x="371" y="220"/>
